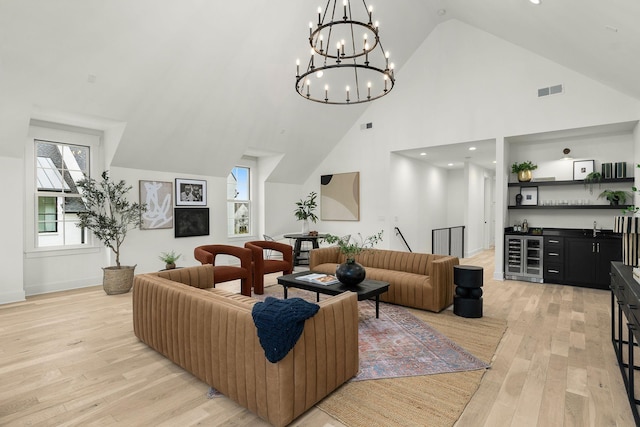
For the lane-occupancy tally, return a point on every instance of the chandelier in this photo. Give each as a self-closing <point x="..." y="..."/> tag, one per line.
<point x="345" y="67"/>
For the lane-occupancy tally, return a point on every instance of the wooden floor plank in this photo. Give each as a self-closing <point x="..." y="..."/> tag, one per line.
<point x="71" y="358"/>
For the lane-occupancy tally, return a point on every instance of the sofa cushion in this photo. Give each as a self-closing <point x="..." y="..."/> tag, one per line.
<point x="280" y="324"/>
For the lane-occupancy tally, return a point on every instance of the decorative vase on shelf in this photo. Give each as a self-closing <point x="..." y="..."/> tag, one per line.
<point x="350" y="273"/>
<point x="525" y="176"/>
<point x="305" y="227"/>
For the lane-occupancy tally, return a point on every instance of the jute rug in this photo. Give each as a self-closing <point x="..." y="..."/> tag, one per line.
<point x="428" y="400"/>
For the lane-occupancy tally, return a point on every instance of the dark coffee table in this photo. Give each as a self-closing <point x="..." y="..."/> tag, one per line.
<point x="365" y="290"/>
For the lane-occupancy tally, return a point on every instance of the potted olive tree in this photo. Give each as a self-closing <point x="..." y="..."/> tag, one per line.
<point x="305" y="211"/>
<point x="109" y="216"/>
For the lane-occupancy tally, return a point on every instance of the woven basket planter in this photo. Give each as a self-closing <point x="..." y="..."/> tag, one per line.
<point x="117" y="280"/>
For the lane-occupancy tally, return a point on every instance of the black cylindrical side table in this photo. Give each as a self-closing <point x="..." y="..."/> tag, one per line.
<point x="468" y="299"/>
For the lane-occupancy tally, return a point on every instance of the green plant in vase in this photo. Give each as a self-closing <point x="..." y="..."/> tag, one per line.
<point x="615" y="197"/>
<point x="524" y="170"/>
<point x="350" y="272"/>
<point x="169" y="259"/>
<point x="304" y="211"/>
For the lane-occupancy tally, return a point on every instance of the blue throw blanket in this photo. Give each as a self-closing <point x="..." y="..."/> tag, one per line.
<point x="280" y="323"/>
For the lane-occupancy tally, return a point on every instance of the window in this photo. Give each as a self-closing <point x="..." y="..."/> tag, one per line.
<point x="47" y="215"/>
<point x="239" y="202"/>
<point x="58" y="166"/>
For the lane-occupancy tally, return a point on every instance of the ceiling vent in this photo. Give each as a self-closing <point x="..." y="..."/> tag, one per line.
<point x="552" y="90"/>
<point x="365" y="126"/>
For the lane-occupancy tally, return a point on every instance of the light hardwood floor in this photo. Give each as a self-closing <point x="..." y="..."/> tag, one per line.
<point x="71" y="358"/>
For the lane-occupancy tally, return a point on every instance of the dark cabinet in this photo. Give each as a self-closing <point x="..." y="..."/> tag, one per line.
<point x="588" y="260"/>
<point x="553" y="259"/>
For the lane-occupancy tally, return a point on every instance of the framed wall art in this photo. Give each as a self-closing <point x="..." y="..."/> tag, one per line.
<point x="529" y="196"/>
<point x="191" y="222"/>
<point x="340" y="197"/>
<point x="582" y="168"/>
<point x="158" y="196"/>
<point x="191" y="192"/>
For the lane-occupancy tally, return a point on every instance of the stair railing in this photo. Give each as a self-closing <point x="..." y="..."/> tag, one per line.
<point x="399" y="233"/>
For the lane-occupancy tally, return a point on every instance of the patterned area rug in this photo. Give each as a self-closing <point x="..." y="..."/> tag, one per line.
<point x="398" y="344"/>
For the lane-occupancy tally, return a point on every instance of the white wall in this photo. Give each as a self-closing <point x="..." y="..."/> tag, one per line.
<point x="456" y="202"/>
<point x="11" y="217"/>
<point x="279" y="206"/>
<point x="417" y="201"/>
<point x="474" y="209"/>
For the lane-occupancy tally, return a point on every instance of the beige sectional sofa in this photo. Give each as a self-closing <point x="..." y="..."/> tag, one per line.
<point x="423" y="281"/>
<point x="211" y="333"/>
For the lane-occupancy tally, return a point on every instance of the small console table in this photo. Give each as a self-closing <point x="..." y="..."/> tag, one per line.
<point x="625" y="300"/>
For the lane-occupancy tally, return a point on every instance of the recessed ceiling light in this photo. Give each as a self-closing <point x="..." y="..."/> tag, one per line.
<point x="494" y="162"/>
<point x="536" y="1"/>
<point x="472" y="148"/>
<point x="423" y="154"/>
<point x="450" y="164"/>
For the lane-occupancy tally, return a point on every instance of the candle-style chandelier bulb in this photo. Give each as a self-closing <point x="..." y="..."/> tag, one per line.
<point x="354" y="64"/>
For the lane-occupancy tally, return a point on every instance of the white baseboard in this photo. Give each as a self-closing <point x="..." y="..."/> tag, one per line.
<point x="15" y="296"/>
<point x="46" y="288"/>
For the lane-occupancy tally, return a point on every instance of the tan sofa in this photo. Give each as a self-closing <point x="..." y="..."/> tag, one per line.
<point x="423" y="281"/>
<point x="211" y="333"/>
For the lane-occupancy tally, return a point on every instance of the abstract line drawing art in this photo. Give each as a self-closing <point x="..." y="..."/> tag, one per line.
<point x="158" y="196"/>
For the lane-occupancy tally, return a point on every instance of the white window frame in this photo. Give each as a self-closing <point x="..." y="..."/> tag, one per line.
<point x="63" y="134"/>
<point x="251" y="224"/>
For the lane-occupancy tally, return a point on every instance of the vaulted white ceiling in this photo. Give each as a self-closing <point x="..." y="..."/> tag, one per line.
<point x="199" y="83"/>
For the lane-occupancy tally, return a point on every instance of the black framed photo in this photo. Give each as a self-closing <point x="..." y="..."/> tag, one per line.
<point x="529" y="196"/>
<point x="191" y="192"/>
<point x="191" y="222"/>
<point x="582" y="168"/>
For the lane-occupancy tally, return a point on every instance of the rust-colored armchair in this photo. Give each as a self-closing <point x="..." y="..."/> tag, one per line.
<point x="224" y="273"/>
<point x="262" y="266"/>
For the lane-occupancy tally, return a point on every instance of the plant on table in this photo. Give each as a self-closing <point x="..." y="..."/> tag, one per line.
<point x="352" y="273"/>
<point x="353" y="247"/>
<point x="169" y="259"/>
<point x="305" y="211"/>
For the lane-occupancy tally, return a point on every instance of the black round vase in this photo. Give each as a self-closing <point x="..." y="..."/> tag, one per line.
<point x="350" y="273"/>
